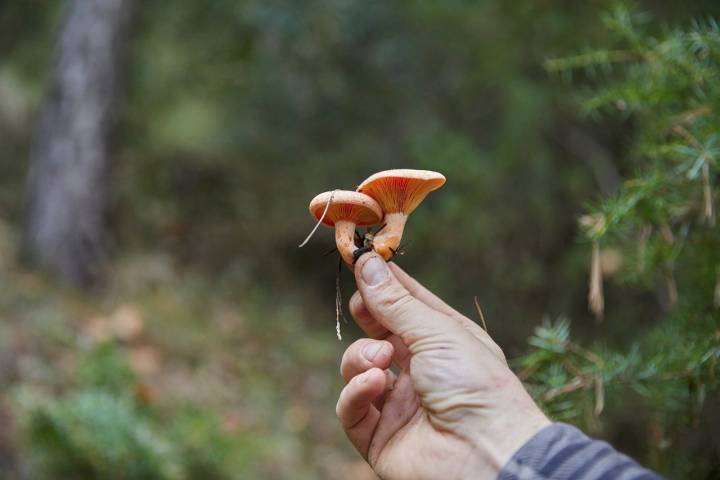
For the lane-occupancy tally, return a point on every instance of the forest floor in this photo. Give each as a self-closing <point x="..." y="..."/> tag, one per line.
<point x="246" y="363"/>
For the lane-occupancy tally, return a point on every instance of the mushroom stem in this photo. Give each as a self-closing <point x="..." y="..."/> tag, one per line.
<point x="387" y="241"/>
<point x="345" y="239"/>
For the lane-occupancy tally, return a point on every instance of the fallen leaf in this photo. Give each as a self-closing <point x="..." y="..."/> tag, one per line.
<point x="127" y="322"/>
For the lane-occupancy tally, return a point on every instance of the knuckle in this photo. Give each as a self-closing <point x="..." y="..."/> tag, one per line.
<point x="364" y="318"/>
<point x="361" y="314"/>
<point x="396" y="301"/>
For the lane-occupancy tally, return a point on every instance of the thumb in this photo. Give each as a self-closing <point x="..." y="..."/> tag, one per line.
<point x="393" y="306"/>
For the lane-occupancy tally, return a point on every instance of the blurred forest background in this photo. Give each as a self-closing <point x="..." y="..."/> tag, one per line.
<point x="157" y="319"/>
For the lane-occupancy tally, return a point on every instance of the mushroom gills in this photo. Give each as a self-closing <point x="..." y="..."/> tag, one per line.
<point x="398" y="192"/>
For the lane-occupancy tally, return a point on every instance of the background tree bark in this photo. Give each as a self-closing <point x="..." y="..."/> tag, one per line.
<point x="68" y="182"/>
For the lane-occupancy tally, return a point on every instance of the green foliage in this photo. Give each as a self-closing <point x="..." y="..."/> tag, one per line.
<point x="104" y="367"/>
<point x="666" y="85"/>
<point x="104" y="430"/>
<point x="93" y="434"/>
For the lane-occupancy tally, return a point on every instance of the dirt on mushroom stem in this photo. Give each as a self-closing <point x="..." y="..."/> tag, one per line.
<point x="398" y="192"/>
<point x="348" y="210"/>
<point x="387" y="241"/>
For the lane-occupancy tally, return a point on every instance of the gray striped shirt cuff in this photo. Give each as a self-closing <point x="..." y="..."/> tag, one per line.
<point x="561" y="451"/>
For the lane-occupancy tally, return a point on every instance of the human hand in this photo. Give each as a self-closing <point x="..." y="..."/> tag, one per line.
<point x="454" y="411"/>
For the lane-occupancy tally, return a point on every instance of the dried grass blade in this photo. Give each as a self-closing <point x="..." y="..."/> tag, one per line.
<point x="338" y="302"/>
<point x="317" y="225"/>
<point x="480" y="312"/>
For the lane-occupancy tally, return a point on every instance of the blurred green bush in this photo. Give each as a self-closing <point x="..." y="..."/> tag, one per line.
<point x="101" y="429"/>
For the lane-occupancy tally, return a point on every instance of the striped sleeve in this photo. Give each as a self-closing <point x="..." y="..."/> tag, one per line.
<point x="561" y="451"/>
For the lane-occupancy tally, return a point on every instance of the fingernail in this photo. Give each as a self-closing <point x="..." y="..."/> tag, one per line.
<point x="371" y="350"/>
<point x="374" y="271"/>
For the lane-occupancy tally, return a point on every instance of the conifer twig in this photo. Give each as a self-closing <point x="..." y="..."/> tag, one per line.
<point x="706" y="159"/>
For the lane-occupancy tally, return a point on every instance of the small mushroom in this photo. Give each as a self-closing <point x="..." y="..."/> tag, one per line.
<point x="398" y="192"/>
<point x="347" y="209"/>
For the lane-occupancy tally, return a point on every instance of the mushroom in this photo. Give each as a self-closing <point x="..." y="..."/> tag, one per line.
<point x="398" y="192"/>
<point x="346" y="210"/>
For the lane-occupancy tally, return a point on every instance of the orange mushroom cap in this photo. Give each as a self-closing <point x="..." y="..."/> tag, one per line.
<point x="355" y="207"/>
<point x="401" y="190"/>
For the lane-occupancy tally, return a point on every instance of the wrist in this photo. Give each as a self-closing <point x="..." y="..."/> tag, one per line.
<point x="504" y="431"/>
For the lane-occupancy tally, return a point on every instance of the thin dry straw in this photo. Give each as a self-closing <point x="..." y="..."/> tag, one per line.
<point x="338" y="310"/>
<point x="327" y="207"/>
<point x="338" y="301"/>
<point x="480" y="312"/>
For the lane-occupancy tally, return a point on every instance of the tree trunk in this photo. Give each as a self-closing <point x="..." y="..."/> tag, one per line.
<point x="68" y="181"/>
